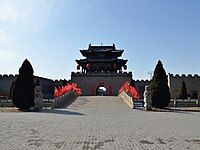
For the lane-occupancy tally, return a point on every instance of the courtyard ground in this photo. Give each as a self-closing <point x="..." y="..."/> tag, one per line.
<point x="99" y="123"/>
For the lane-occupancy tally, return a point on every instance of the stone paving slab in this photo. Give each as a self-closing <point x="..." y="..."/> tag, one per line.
<point x="99" y="123"/>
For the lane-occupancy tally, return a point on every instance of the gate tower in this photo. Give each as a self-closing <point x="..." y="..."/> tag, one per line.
<point x="101" y="68"/>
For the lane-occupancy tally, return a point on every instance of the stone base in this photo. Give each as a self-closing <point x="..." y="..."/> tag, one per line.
<point x="64" y="100"/>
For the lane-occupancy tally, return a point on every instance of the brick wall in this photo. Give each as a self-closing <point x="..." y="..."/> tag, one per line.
<point x="89" y="82"/>
<point x="175" y="84"/>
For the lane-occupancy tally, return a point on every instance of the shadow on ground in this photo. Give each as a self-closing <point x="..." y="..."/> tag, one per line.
<point x="183" y="110"/>
<point x="60" y="111"/>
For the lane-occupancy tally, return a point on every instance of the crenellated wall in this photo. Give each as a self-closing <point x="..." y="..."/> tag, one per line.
<point x="5" y="83"/>
<point x="175" y="84"/>
<point x="47" y="85"/>
<point x="111" y="81"/>
<point x="140" y="86"/>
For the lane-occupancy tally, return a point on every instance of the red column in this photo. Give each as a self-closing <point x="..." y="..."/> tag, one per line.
<point x="110" y="90"/>
<point x="92" y="90"/>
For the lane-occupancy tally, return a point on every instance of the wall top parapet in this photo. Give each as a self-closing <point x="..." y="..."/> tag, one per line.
<point x="144" y="81"/>
<point x="7" y="75"/>
<point x="101" y="74"/>
<point x="43" y="78"/>
<point x="14" y="76"/>
<point x="184" y="76"/>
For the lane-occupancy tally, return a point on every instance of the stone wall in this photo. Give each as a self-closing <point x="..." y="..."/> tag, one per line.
<point x="7" y="80"/>
<point x="5" y="84"/>
<point x="89" y="82"/>
<point x="47" y="87"/>
<point x="175" y="84"/>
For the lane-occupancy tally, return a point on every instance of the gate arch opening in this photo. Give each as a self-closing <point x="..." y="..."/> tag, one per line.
<point x="101" y="91"/>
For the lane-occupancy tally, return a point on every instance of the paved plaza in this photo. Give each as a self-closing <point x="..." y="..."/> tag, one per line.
<point x="99" y="123"/>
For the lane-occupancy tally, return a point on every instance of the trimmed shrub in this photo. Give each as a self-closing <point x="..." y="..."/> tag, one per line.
<point x="11" y="90"/>
<point x="23" y="90"/>
<point x="159" y="87"/>
<point x="37" y="82"/>
<point x="132" y="83"/>
<point x="183" y="91"/>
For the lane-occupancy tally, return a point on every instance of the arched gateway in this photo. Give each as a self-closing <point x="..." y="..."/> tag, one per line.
<point x="101" y="90"/>
<point x="101" y="68"/>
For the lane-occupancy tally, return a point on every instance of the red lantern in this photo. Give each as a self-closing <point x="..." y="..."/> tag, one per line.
<point x="114" y="66"/>
<point x="88" y="66"/>
<point x="78" y="67"/>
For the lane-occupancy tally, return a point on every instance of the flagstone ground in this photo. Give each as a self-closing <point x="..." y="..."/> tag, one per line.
<point x="99" y="123"/>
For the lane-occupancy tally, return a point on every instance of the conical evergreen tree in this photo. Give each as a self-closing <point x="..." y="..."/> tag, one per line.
<point x="64" y="82"/>
<point x="160" y="88"/>
<point x="37" y="82"/>
<point x="23" y="91"/>
<point x="11" y="90"/>
<point x="198" y="95"/>
<point x="183" y="91"/>
<point x="132" y="83"/>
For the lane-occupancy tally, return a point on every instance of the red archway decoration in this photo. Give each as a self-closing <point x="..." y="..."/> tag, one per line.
<point x="66" y="89"/>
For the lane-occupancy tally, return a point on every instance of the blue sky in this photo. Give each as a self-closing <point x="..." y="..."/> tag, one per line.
<point x="50" y="32"/>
